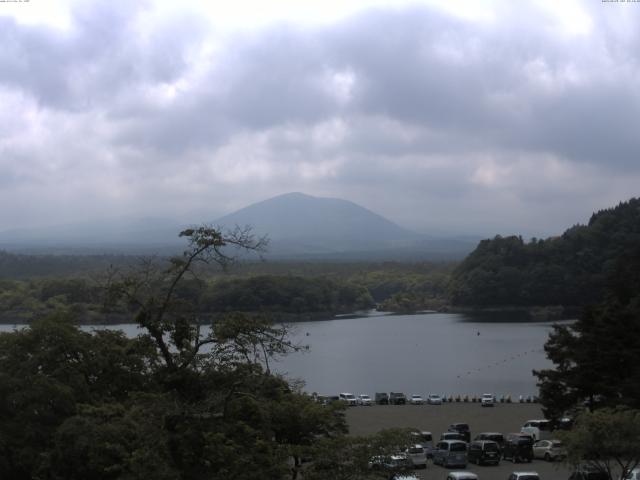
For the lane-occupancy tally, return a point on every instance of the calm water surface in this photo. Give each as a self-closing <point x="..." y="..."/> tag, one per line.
<point x="424" y="353"/>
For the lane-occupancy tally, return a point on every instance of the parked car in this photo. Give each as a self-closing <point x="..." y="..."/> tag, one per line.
<point x="364" y="399"/>
<point x="452" y="436"/>
<point x="426" y="440"/>
<point x="349" y="398"/>
<point x="450" y="453"/>
<point x="462" y="475"/>
<point x="416" y="400"/>
<point x="524" y="476"/>
<point x="461" y="428"/>
<point x="382" y="398"/>
<point x="487" y="400"/>
<point x="434" y="399"/>
<point x="493" y="436"/>
<point x="397" y="398"/>
<point x="399" y="461"/>
<point x="483" y="452"/>
<point x="518" y="447"/>
<point x="418" y="456"/>
<point x="587" y="472"/>
<point x="549" y="450"/>
<point x="538" y="429"/>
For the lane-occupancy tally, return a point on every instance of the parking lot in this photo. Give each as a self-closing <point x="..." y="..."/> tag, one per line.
<point x="504" y="418"/>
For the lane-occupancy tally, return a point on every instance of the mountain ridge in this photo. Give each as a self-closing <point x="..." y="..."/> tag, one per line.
<point x="298" y="225"/>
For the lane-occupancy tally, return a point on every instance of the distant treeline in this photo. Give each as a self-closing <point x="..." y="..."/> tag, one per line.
<point x="284" y="297"/>
<point x="24" y="266"/>
<point x="569" y="270"/>
<point x="32" y="286"/>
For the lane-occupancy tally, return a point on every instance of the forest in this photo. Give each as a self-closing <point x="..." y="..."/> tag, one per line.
<point x="568" y="270"/>
<point x="285" y="290"/>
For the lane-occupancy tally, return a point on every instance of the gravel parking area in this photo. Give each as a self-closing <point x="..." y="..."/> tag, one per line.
<point x="503" y="418"/>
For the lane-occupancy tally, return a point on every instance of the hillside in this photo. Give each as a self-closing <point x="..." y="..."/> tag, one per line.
<point x="569" y="270"/>
<point x="296" y="222"/>
<point x="300" y="227"/>
<point x="304" y="227"/>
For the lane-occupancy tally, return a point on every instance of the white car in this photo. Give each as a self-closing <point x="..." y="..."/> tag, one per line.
<point x="488" y="400"/>
<point x="434" y="399"/>
<point x="416" y="400"/>
<point x="538" y="429"/>
<point x="524" y="476"/>
<point x="349" y="398"/>
<point x="364" y="399"/>
<point x="418" y="456"/>
<point x="425" y="440"/>
<point x="462" y="476"/>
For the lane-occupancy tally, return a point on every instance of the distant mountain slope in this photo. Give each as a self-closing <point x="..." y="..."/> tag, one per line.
<point x="299" y="226"/>
<point x="569" y="270"/>
<point x="298" y="223"/>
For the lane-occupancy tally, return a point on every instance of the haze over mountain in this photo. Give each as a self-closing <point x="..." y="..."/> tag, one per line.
<point x="303" y="226"/>
<point x="299" y="226"/>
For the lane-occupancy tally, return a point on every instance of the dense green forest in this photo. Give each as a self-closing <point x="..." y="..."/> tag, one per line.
<point x="286" y="290"/>
<point x="568" y="270"/>
<point x="172" y="403"/>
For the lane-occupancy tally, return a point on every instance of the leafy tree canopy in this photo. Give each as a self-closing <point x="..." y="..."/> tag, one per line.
<point x="569" y="270"/>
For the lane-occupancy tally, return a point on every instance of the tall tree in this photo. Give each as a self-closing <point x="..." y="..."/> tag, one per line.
<point x="596" y="358"/>
<point x="606" y="440"/>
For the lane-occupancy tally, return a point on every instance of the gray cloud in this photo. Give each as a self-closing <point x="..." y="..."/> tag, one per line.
<point x="437" y="122"/>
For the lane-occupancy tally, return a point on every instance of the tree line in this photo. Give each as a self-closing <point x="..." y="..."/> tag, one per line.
<point x="570" y="270"/>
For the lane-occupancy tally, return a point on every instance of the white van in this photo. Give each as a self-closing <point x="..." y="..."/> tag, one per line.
<point x="538" y="429"/>
<point x="349" y="398"/>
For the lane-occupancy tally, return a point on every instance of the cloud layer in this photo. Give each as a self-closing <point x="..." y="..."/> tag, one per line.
<point x="522" y="122"/>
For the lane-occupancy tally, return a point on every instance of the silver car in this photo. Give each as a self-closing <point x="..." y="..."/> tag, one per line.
<point x="418" y="456"/>
<point x="549" y="450"/>
<point x="450" y="453"/>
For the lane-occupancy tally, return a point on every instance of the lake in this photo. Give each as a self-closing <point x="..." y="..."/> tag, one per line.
<point x="426" y="353"/>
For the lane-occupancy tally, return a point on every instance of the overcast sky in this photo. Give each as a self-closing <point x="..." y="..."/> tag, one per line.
<point x="444" y="116"/>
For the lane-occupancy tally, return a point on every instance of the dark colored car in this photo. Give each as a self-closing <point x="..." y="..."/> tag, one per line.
<point x="484" y="452"/>
<point x="382" y="398"/>
<point x="452" y="436"/>
<point x="462" y="428"/>
<point x="588" y="473"/>
<point x="493" y="436"/>
<point x="518" y="447"/>
<point x="396" y="398"/>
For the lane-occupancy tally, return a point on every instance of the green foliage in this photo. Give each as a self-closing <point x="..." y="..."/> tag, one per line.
<point x="604" y="439"/>
<point x="295" y="295"/>
<point x="568" y="270"/>
<point x="596" y="358"/>
<point x="356" y="458"/>
<point x="77" y="405"/>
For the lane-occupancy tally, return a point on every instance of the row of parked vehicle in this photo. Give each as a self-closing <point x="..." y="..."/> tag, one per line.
<point x="399" y="398"/>
<point x="463" y="475"/>
<point x="384" y="398"/>
<point x="583" y="472"/>
<point x="455" y="448"/>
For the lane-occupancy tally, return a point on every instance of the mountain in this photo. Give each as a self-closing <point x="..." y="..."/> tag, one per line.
<point x="299" y="226"/>
<point x="305" y="223"/>
<point x="306" y="227"/>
